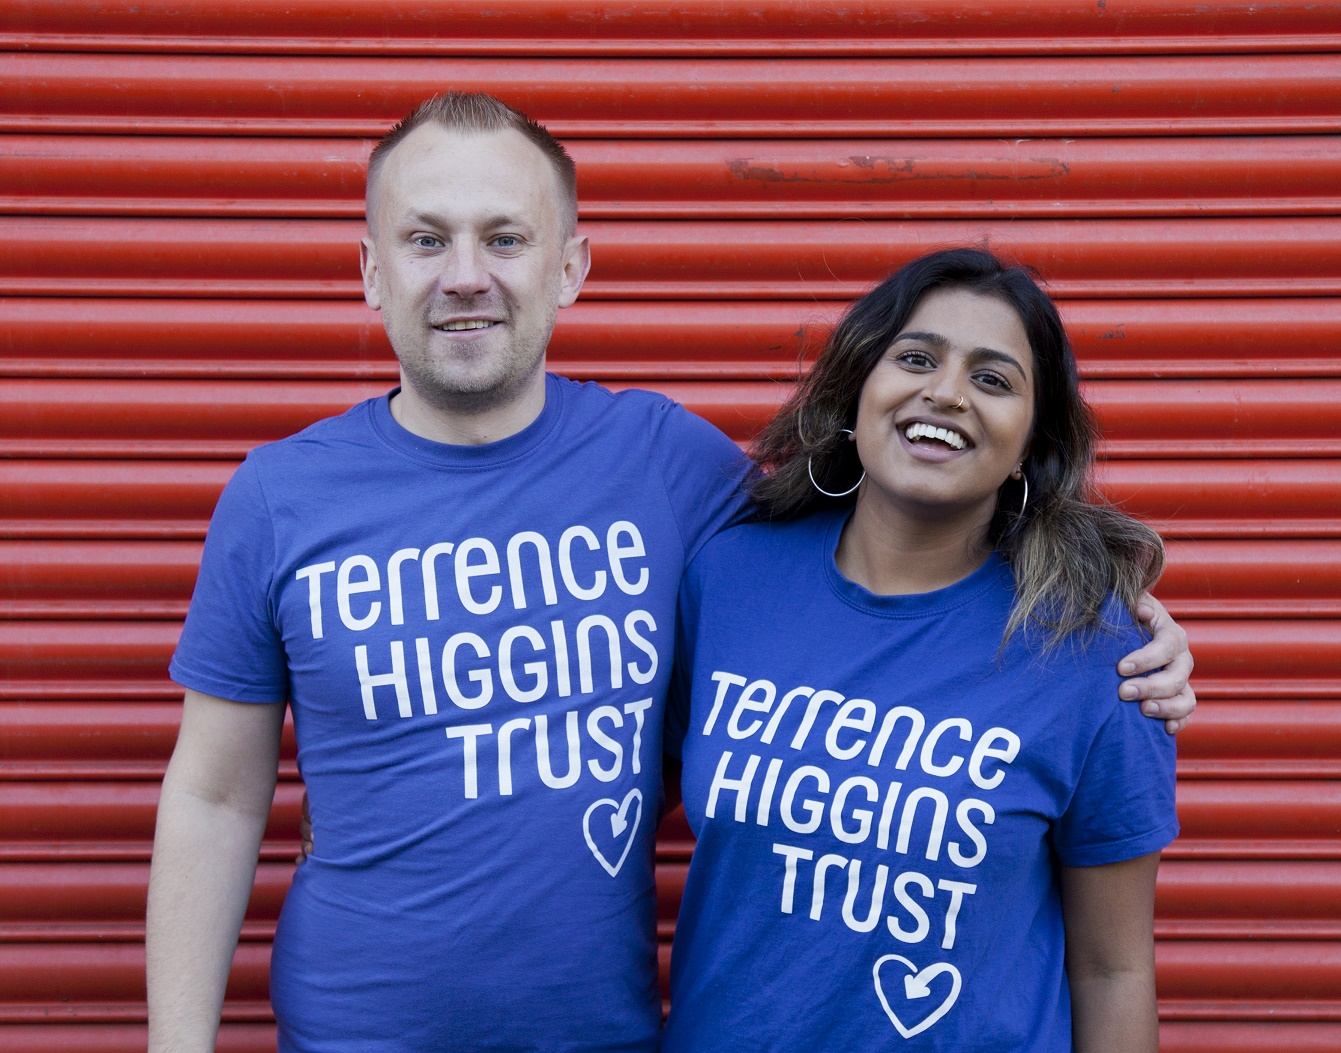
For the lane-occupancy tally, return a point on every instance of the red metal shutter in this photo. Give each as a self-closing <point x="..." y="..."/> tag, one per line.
<point x="180" y="197"/>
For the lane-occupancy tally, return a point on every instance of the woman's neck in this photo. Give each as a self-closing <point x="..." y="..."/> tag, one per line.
<point x="890" y="552"/>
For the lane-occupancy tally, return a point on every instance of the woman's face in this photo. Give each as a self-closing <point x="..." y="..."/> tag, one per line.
<point x="946" y="414"/>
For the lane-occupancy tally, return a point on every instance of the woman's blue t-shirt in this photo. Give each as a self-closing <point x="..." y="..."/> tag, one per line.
<point x="882" y="795"/>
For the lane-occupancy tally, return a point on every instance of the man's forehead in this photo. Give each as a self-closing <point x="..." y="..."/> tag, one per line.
<point x="502" y="160"/>
<point x="462" y="176"/>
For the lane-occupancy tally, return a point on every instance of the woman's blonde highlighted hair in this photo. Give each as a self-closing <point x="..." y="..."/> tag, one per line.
<point x="1067" y="548"/>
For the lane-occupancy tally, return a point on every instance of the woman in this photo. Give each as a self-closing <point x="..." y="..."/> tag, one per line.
<point x="924" y="819"/>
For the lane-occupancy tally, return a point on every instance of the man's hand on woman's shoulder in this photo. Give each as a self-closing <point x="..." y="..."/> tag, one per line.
<point x="1165" y="693"/>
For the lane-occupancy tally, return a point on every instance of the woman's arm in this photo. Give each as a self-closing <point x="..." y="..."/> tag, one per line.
<point x="1109" y="913"/>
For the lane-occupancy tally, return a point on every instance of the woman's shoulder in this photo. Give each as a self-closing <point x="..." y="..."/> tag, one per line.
<point x="762" y="553"/>
<point x="1088" y="653"/>
<point x="1116" y="630"/>
<point x="757" y="538"/>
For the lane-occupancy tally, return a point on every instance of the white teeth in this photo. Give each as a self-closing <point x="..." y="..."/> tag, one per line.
<point x="918" y="430"/>
<point x="474" y="323"/>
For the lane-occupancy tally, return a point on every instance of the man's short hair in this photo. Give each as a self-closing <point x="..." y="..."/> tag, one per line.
<point x="477" y="113"/>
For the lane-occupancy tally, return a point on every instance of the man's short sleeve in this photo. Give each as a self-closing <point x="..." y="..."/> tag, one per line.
<point x="682" y="676"/>
<point x="1123" y="806"/>
<point x="702" y="471"/>
<point x="230" y="646"/>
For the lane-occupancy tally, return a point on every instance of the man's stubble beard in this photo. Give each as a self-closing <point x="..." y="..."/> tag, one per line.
<point x="439" y="384"/>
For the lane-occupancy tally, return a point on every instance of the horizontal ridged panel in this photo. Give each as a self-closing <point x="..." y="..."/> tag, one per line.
<point x="1215" y="498"/>
<point x="1261" y="738"/>
<point x="604" y="27"/>
<point x="86" y="740"/>
<point x="1252" y="738"/>
<point x="1285" y="972"/>
<point x="1276" y="578"/>
<point x="684" y="260"/>
<point x="38" y="978"/>
<point x="62" y="1037"/>
<point x="74" y="901"/>
<point x="178" y="281"/>
<point x="174" y="499"/>
<point x="1229" y="95"/>
<point x="160" y="418"/>
<point x="685" y="340"/>
<point x="1181" y="1037"/>
<point x="117" y="499"/>
<point x="1247" y="979"/>
<point x="111" y="579"/>
<point x="1238" y="649"/>
<point x="131" y="175"/>
<point x="700" y="260"/>
<point x="1133" y="257"/>
<point x="1219" y="818"/>
<point x="1276" y="898"/>
<point x="96" y="578"/>
<point x="1281" y="659"/>
<point x="93" y="740"/>
<point x="88" y="819"/>
<point x="65" y="901"/>
<point x="1275" y="1037"/>
<point x="1175" y="1037"/>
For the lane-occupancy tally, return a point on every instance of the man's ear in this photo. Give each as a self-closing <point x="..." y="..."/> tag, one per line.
<point x="372" y="296"/>
<point x="576" y="264"/>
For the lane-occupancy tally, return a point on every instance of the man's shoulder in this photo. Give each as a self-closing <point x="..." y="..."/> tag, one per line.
<point x="777" y="547"/>
<point x="641" y="417"/>
<point x="339" y="432"/>
<point x="589" y="398"/>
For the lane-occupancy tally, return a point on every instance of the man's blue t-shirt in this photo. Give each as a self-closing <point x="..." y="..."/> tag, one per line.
<point x="882" y="795"/>
<point x="475" y="643"/>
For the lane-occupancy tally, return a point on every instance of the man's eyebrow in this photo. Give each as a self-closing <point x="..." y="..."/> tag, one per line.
<point x="501" y="219"/>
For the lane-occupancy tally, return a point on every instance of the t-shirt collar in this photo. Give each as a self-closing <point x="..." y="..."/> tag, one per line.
<point x="449" y="455"/>
<point x="991" y="574"/>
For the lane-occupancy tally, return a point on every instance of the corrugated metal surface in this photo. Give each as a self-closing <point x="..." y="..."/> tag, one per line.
<point x="180" y="193"/>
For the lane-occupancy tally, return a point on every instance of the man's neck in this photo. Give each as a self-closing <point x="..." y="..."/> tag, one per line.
<point x="466" y="425"/>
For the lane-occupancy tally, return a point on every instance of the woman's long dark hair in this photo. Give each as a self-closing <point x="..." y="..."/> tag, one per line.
<point x="1067" y="550"/>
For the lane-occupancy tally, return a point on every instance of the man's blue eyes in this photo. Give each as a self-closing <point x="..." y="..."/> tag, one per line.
<point x="427" y="241"/>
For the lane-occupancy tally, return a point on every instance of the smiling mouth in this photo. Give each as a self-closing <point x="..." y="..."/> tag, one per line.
<point x="463" y="326"/>
<point x="917" y="432"/>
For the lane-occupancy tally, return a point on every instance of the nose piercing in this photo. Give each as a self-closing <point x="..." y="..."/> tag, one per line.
<point x="959" y="404"/>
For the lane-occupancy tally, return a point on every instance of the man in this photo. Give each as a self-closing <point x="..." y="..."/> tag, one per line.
<point x="466" y="592"/>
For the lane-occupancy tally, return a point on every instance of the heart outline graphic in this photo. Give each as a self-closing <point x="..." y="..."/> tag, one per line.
<point x="618" y="823"/>
<point x="916" y="985"/>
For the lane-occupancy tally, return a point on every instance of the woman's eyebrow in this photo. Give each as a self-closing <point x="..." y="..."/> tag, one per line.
<point x="981" y="354"/>
<point x="935" y="339"/>
<point x="987" y="354"/>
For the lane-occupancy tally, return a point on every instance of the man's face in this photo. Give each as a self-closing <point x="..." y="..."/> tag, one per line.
<point x="467" y="260"/>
